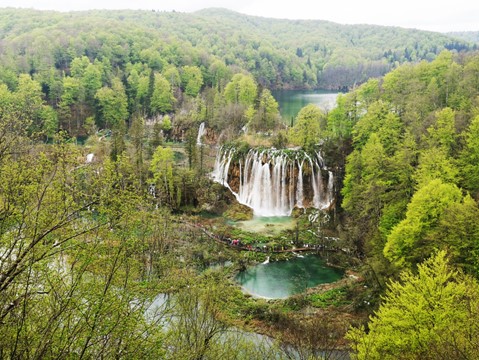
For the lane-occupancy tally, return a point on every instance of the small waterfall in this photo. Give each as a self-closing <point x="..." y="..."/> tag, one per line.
<point x="89" y="158"/>
<point x="201" y="132"/>
<point x="222" y="165"/>
<point x="316" y="179"/>
<point x="300" y="188"/>
<point x="273" y="182"/>
<point x="330" y="192"/>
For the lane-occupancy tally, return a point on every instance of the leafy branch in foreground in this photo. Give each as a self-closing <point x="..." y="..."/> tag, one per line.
<point x="424" y="316"/>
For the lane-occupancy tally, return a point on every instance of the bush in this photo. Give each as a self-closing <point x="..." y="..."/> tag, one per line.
<point x="334" y="297"/>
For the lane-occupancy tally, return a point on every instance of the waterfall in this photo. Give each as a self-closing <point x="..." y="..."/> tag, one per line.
<point x="222" y="164"/>
<point x="201" y="132"/>
<point x="273" y="182"/>
<point x="89" y="158"/>
<point x="317" y="182"/>
<point x="330" y="192"/>
<point x="300" y="188"/>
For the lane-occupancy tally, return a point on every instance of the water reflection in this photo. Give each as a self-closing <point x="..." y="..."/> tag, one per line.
<point x="292" y="101"/>
<point x="281" y="279"/>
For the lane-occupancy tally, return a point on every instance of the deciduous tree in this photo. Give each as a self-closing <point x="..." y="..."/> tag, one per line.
<point x="306" y="131"/>
<point x="424" y="316"/>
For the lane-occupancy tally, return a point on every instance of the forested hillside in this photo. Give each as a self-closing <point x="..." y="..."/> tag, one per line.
<point x="414" y="160"/>
<point x="279" y="53"/>
<point x="410" y="189"/>
<point x="470" y="36"/>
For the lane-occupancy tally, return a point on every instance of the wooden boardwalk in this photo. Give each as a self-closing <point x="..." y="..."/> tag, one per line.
<point x="266" y="249"/>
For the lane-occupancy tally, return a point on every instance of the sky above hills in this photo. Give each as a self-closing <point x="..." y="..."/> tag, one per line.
<point x="438" y="15"/>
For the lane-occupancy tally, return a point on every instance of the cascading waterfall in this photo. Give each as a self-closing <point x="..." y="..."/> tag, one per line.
<point x="329" y="200"/>
<point x="201" y="132"/>
<point x="273" y="182"/>
<point x="222" y="164"/>
<point x="300" y="189"/>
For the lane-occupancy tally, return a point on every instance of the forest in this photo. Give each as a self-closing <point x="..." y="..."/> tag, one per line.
<point x="278" y="53"/>
<point x="112" y="229"/>
<point x="472" y="36"/>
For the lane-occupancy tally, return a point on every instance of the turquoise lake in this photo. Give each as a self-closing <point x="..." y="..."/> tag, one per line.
<point x="281" y="279"/>
<point x="292" y="101"/>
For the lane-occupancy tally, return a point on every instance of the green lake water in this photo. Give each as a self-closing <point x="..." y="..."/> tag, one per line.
<point x="291" y="101"/>
<point x="277" y="280"/>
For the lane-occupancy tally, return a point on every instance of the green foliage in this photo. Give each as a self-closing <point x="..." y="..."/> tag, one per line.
<point x="424" y="316"/>
<point x="92" y="80"/>
<point x="267" y="117"/>
<point x="162" y="169"/>
<point x="343" y="117"/>
<point x="368" y="93"/>
<point x="74" y="57"/>
<point x="162" y="98"/>
<point x="13" y="126"/>
<point x="71" y="90"/>
<point x="241" y="89"/>
<point x="371" y="122"/>
<point x="49" y="119"/>
<point x="219" y="74"/>
<point x="113" y="104"/>
<point x="191" y="151"/>
<point x="239" y="212"/>
<point x="280" y="140"/>
<point x="334" y="297"/>
<point x="333" y="56"/>
<point x="166" y="123"/>
<point x="306" y="131"/>
<point x="192" y="80"/>
<point x="70" y="273"/>
<point x="352" y="181"/>
<point x="78" y="66"/>
<point x="458" y="231"/>
<point x="410" y="129"/>
<point x="137" y="135"/>
<point x="443" y="133"/>
<point x="28" y="97"/>
<point x="410" y="241"/>
<point x="469" y="158"/>
<point x="89" y="126"/>
<point x="435" y="164"/>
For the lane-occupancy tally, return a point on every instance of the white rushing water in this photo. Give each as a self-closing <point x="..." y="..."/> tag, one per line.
<point x="273" y="182"/>
<point x="201" y="132"/>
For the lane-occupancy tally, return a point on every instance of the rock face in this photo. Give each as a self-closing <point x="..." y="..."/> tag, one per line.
<point x="272" y="182"/>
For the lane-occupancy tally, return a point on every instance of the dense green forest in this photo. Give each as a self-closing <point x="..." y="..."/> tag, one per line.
<point x="154" y="61"/>
<point x="278" y="53"/>
<point x="410" y="190"/>
<point x="105" y="194"/>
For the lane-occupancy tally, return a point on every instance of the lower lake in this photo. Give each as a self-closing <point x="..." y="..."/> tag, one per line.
<point x="281" y="279"/>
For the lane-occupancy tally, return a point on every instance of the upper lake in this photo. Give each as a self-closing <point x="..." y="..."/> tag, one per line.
<point x="292" y="101"/>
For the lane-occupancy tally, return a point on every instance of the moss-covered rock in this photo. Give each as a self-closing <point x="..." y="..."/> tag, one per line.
<point x="239" y="212"/>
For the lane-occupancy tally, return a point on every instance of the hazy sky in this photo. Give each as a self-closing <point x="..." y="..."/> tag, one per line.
<point x="435" y="15"/>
